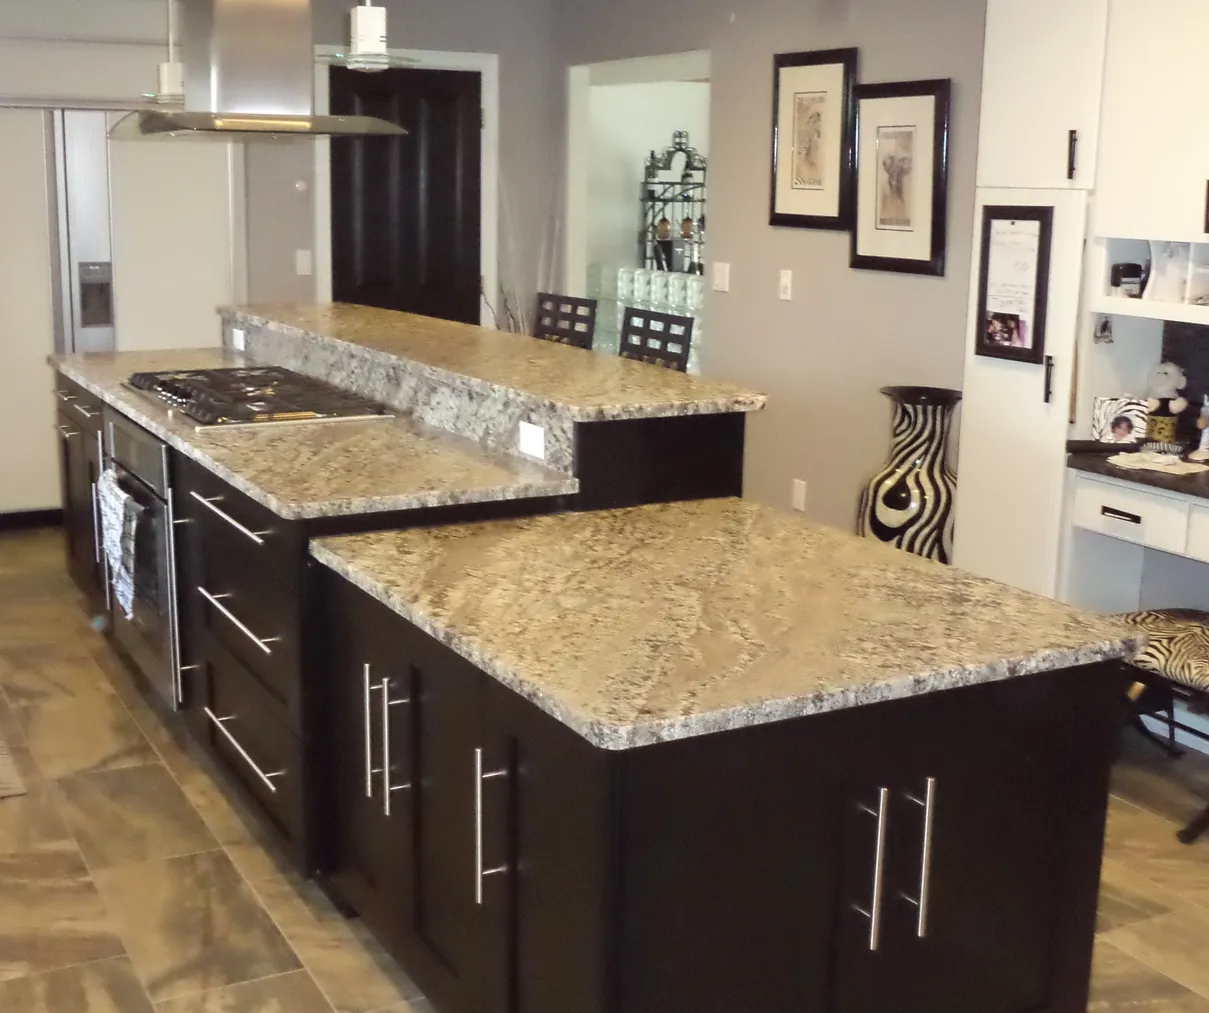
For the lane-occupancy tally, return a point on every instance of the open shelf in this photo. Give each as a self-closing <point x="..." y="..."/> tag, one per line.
<point x="1116" y="305"/>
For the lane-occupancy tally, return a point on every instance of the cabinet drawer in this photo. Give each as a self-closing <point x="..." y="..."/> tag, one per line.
<point x="1198" y="533"/>
<point x="239" y="729"/>
<point x="238" y="525"/>
<point x="79" y="405"/>
<point x="1132" y="515"/>
<point x="252" y="617"/>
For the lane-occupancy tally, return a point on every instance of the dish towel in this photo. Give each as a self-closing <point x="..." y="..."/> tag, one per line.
<point x="120" y="516"/>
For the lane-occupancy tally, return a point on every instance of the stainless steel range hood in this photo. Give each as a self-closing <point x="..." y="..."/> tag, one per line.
<point x="249" y="73"/>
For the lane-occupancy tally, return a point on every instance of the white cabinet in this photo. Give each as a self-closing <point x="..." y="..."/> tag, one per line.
<point x="1042" y="76"/>
<point x="1154" y="147"/>
<point x="1011" y="472"/>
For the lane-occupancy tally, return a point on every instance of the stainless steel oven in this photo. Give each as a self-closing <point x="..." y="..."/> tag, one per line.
<point x="151" y="637"/>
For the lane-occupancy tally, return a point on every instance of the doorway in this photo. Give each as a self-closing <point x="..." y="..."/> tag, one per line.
<point x="406" y="211"/>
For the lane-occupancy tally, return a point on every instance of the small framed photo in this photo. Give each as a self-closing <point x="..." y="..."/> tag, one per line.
<point x="1013" y="282"/>
<point x="1119" y="420"/>
<point x="902" y="177"/>
<point x="813" y="139"/>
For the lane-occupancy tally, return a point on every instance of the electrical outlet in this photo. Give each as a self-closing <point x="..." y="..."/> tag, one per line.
<point x="799" y="495"/>
<point x="721" y="277"/>
<point x="786" y="286"/>
<point x="239" y="340"/>
<point x="531" y="440"/>
<point x="304" y="263"/>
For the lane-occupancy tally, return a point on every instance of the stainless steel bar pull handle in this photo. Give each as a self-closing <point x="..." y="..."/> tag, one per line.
<point x="874" y="913"/>
<point x="67" y="433"/>
<point x="370" y="770"/>
<point x="479" y="872"/>
<point x="387" y="752"/>
<point x="256" y="536"/>
<point x="221" y="725"/>
<point x="85" y="412"/>
<point x="928" y="803"/>
<point x="62" y="395"/>
<point x="215" y="600"/>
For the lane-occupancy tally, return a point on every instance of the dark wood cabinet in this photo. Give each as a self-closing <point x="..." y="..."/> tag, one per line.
<point x="81" y="458"/>
<point x="527" y="871"/>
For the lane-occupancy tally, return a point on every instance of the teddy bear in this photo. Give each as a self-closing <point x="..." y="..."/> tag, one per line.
<point x="1166" y="404"/>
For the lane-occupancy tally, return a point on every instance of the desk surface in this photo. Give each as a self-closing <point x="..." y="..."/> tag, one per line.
<point x="1186" y="485"/>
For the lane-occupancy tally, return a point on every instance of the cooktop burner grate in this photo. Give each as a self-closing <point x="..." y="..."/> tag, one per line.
<point x="255" y="396"/>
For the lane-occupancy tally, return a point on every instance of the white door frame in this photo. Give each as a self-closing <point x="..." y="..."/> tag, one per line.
<point x="487" y="65"/>
<point x="691" y="66"/>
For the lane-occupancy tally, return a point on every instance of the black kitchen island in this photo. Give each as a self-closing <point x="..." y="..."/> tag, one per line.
<point x="707" y="756"/>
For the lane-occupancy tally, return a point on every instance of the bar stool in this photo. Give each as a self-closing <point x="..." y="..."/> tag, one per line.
<point x="566" y="319"/>
<point x="1175" y="666"/>
<point x="662" y="339"/>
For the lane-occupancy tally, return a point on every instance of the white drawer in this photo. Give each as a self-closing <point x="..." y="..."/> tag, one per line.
<point x="1198" y="533"/>
<point x="1133" y="515"/>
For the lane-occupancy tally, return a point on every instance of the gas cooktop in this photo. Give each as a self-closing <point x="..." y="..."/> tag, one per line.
<point x="260" y="395"/>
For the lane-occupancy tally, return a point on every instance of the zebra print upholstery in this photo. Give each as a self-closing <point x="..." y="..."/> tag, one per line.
<point x="1179" y="645"/>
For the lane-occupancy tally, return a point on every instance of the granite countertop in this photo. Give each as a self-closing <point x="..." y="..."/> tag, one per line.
<point x="316" y="470"/>
<point x="664" y="622"/>
<point x="590" y="388"/>
<point x="1097" y="464"/>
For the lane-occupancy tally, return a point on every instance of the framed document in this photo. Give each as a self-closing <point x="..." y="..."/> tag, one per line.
<point x="813" y="138"/>
<point x="1013" y="284"/>
<point x="902" y="181"/>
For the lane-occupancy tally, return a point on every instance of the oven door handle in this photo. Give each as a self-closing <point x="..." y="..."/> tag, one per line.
<point x="256" y="536"/>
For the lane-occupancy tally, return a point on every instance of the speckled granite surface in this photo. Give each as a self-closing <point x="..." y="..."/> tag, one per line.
<point x="663" y="622"/>
<point x="476" y="382"/>
<point x="320" y="470"/>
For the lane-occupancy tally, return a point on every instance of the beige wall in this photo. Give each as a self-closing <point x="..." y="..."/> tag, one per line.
<point x="822" y="357"/>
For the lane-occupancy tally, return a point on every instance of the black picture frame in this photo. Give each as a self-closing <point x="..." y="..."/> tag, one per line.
<point x="848" y="59"/>
<point x="1035" y="352"/>
<point x="940" y="91"/>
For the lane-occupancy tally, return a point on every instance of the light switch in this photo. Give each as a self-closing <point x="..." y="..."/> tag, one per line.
<point x="239" y="340"/>
<point x="304" y="263"/>
<point x="721" y="277"/>
<point x="531" y="441"/>
<point x="786" y="286"/>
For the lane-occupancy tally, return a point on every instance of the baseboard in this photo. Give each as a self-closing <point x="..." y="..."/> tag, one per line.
<point x="23" y="519"/>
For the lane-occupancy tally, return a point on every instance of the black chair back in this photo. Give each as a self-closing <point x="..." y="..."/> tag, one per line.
<point x="566" y="319"/>
<point x="662" y="339"/>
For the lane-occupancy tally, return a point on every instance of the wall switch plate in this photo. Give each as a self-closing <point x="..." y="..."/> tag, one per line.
<point x="531" y="440"/>
<point x="721" y="277"/>
<point x="799" y="495"/>
<point x="304" y="263"/>
<point x="786" y="286"/>
<point x="239" y="340"/>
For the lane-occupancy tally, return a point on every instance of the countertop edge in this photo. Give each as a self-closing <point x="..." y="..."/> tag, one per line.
<point x="738" y="404"/>
<point x="315" y="510"/>
<point x="617" y="738"/>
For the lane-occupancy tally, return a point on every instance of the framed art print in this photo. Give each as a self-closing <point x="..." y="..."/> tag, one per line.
<point x="902" y="164"/>
<point x="813" y="139"/>
<point x="1013" y="282"/>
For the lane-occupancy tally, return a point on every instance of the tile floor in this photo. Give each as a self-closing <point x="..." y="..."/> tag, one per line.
<point x="130" y="884"/>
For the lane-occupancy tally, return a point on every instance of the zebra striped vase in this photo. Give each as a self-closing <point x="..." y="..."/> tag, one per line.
<point x="909" y="503"/>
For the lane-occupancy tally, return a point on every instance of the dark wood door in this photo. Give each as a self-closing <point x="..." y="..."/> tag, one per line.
<point x="548" y="829"/>
<point x="77" y="475"/>
<point x="446" y="958"/>
<point x="406" y="210"/>
<point x="371" y="691"/>
<point x="1002" y="846"/>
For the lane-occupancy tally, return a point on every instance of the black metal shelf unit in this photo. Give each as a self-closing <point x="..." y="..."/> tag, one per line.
<point x="672" y="237"/>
